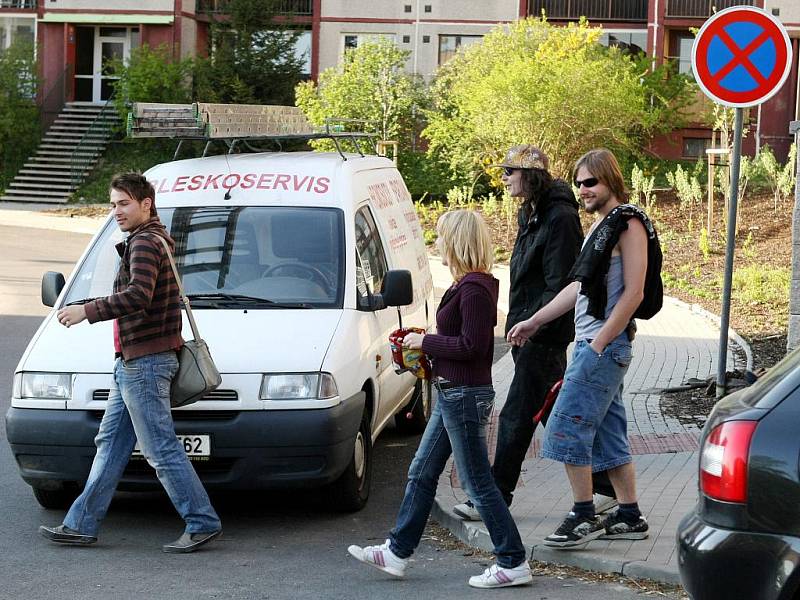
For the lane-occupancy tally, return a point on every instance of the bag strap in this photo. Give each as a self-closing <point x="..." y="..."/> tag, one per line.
<point x="184" y="297"/>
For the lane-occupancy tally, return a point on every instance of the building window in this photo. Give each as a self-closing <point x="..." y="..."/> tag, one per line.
<point x="354" y="40"/>
<point x="302" y="50"/>
<point x="406" y="39"/>
<point x="695" y="147"/>
<point x="407" y="8"/>
<point x="15" y="28"/>
<point x="630" y="42"/>
<point x="448" y="44"/>
<point x="426" y="39"/>
<point x="681" y="51"/>
<point x="427" y="8"/>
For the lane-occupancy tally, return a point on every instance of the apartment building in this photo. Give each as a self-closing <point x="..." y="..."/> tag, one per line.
<point x="75" y="37"/>
<point x="17" y="21"/>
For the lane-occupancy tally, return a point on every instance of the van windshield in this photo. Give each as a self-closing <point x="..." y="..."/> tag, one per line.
<point x="248" y="257"/>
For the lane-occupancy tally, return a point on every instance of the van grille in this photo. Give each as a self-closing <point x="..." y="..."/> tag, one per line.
<point x="138" y="467"/>
<point x="190" y="415"/>
<point x="219" y="395"/>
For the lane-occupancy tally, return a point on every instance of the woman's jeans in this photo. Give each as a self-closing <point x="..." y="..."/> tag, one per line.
<point x="458" y="426"/>
<point x="138" y="408"/>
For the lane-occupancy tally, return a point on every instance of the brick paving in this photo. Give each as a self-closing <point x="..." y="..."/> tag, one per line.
<point x="678" y="344"/>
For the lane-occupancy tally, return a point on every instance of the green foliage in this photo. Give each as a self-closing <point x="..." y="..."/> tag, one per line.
<point x="127" y="155"/>
<point x="705" y="243"/>
<point x="687" y="188"/>
<point x="780" y="178"/>
<point x="151" y="75"/>
<point x="369" y="84"/>
<point x="555" y="87"/>
<point x="252" y="57"/>
<point x="19" y="115"/>
<point x="424" y="176"/>
<point x="642" y="188"/>
<point x="760" y="284"/>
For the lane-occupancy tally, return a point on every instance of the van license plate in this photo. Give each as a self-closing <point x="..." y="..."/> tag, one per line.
<point x="194" y="445"/>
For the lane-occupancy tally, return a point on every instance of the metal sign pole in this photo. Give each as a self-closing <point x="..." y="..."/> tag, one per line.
<point x="729" y="248"/>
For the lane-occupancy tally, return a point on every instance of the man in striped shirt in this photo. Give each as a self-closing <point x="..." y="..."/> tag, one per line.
<point x="145" y="307"/>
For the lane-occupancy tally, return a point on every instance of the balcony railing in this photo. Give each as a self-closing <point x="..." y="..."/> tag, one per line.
<point x="701" y="9"/>
<point x="594" y="10"/>
<point x="284" y="7"/>
<point x="19" y="4"/>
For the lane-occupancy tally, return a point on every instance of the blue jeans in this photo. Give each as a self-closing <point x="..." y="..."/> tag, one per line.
<point x="138" y="408"/>
<point x="458" y="426"/>
<point x="588" y="424"/>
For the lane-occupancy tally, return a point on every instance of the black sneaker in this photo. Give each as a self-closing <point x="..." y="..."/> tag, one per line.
<point x="618" y="529"/>
<point x="575" y="531"/>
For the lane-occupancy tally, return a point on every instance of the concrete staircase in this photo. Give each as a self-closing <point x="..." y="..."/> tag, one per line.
<point x="66" y="155"/>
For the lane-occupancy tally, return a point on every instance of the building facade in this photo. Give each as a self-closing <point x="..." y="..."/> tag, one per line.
<point x="75" y="37"/>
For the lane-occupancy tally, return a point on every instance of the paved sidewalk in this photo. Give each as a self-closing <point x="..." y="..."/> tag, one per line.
<point x="679" y="343"/>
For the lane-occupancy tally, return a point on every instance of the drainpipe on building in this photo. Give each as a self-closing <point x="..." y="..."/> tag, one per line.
<point x="655" y="35"/>
<point x="758" y="113"/>
<point x="416" y="36"/>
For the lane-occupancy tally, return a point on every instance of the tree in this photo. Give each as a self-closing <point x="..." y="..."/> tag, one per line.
<point x="151" y="75"/>
<point x="555" y="87"/>
<point x="371" y="84"/>
<point x="19" y="116"/>
<point x="252" y="56"/>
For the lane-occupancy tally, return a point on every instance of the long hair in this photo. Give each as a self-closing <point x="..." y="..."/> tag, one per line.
<point x="603" y="164"/>
<point x="535" y="185"/>
<point x="137" y="187"/>
<point x="465" y="242"/>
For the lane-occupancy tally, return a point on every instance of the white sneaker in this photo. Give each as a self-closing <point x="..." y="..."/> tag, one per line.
<point x="381" y="557"/>
<point x="467" y="511"/>
<point x="603" y="504"/>
<point x="497" y="577"/>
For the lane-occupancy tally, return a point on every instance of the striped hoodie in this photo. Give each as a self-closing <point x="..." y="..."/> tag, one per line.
<point x="145" y="302"/>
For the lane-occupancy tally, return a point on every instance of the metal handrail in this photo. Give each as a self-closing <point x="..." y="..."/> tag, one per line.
<point x="603" y="10"/>
<point x="293" y="7"/>
<point x="79" y="159"/>
<point x="20" y="4"/>
<point x="53" y="101"/>
<point x="697" y="9"/>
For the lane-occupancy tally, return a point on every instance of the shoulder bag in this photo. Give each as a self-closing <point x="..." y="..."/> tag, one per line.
<point x="197" y="374"/>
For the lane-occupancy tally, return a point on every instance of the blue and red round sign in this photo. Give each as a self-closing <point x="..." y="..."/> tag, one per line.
<point x="741" y="56"/>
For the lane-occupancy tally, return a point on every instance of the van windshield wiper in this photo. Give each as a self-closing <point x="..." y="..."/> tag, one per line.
<point x="221" y="298"/>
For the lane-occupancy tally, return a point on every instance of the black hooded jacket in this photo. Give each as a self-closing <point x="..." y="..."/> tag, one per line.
<point x="548" y="242"/>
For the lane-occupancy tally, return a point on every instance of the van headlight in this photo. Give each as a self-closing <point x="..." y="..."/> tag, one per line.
<point x="43" y="386"/>
<point x="298" y="386"/>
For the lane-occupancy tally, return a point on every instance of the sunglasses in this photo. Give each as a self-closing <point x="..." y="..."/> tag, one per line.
<point x="509" y="171"/>
<point x="588" y="182"/>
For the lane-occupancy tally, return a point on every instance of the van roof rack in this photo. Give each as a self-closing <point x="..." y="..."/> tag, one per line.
<point x="234" y="124"/>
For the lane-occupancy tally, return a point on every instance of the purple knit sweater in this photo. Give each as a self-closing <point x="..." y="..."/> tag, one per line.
<point x="463" y="347"/>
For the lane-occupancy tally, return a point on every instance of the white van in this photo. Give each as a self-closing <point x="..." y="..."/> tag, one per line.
<point x="290" y="261"/>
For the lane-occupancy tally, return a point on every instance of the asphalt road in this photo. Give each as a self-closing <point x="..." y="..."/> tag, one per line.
<point x="273" y="546"/>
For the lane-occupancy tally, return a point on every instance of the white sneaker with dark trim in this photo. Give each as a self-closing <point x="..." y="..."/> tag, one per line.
<point x="381" y="557"/>
<point x="497" y="577"/>
<point x="467" y="511"/>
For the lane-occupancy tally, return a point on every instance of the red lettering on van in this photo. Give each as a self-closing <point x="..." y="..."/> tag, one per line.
<point x="230" y="186"/>
<point x="282" y="180"/>
<point x="180" y="183"/>
<point x="262" y="181"/>
<point x="299" y="184"/>
<point x="212" y="180"/>
<point x="162" y="189"/>
<point x="195" y="184"/>
<point x="322" y="185"/>
<point x="248" y="181"/>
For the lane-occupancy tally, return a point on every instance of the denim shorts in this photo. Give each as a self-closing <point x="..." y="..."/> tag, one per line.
<point x="588" y="425"/>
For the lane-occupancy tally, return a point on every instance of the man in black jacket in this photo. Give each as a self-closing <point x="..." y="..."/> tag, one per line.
<point x="548" y="242"/>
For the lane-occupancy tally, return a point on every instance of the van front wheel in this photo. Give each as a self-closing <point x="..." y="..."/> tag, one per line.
<point x="414" y="416"/>
<point x="351" y="491"/>
<point x="57" y="499"/>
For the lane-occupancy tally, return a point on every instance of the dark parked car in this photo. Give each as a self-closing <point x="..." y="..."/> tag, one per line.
<point x="742" y="541"/>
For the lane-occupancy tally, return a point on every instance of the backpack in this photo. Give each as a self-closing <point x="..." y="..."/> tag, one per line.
<point x="653" y="298"/>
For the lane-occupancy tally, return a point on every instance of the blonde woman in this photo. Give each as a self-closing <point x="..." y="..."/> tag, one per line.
<point x="462" y="369"/>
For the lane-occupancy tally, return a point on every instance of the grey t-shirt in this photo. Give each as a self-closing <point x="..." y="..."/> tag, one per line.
<point x="586" y="326"/>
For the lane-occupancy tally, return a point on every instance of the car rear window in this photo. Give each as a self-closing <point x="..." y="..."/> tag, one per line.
<point x="776" y="384"/>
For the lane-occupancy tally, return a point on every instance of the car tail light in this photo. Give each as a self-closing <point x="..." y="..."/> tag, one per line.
<point x="723" y="461"/>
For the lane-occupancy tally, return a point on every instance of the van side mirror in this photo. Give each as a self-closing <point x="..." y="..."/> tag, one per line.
<point x="52" y="284"/>
<point x="398" y="289"/>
